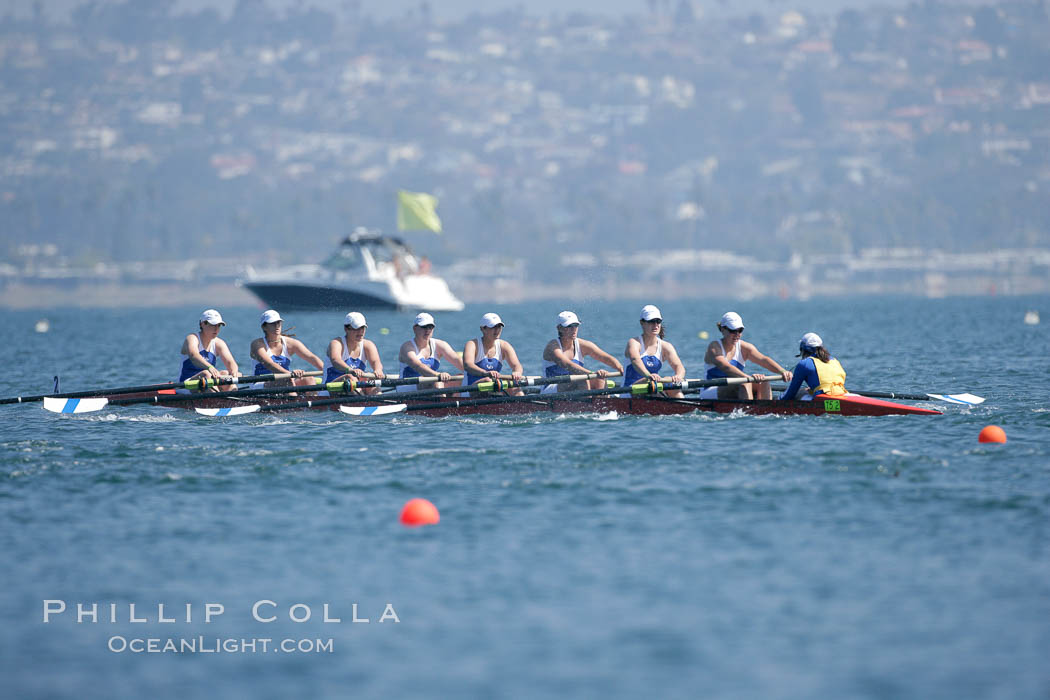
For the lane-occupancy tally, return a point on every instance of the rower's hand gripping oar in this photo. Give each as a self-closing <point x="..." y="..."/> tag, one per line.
<point x="479" y="387"/>
<point x="637" y="390"/>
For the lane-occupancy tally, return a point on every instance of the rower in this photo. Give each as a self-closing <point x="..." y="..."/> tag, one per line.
<point x="646" y="354"/>
<point x="564" y="355"/>
<point x="818" y="369"/>
<point x="350" y="355"/>
<point x="728" y="356"/>
<point x="203" y="348"/>
<point x="483" y="357"/>
<point x="273" y="352"/>
<point x="421" y="356"/>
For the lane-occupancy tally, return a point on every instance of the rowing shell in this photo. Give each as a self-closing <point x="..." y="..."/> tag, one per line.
<point x="848" y="405"/>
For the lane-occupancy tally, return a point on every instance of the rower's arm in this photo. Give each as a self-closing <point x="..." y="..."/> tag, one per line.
<point x="590" y="349"/>
<point x="372" y="356"/>
<point x="802" y="371"/>
<point x="451" y="355"/>
<point x="223" y="351"/>
<point x="299" y="348"/>
<point x="335" y="355"/>
<point x="554" y="353"/>
<point x="633" y="353"/>
<point x="512" y="359"/>
<point x="191" y="348"/>
<point x="260" y="352"/>
<point x="676" y="363"/>
<point x="765" y="361"/>
<point x="410" y="358"/>
<point x="715" y="356"/>
<point x="469" y="366"/>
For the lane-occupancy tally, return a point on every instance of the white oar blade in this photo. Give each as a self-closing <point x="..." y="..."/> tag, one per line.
<point x="74" y="405"/>
<point x="966" y="399"/>
<point x="228" y="411"/>
<point x="373" y="410"/>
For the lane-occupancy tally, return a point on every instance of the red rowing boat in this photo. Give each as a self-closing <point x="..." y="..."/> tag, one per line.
<point x="658" y="405"/>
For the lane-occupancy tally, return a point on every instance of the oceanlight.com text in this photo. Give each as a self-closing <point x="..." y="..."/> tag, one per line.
<point x="218" y="645"/>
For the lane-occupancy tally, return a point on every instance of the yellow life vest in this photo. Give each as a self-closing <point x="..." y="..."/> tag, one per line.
<point x="832" y="377"/>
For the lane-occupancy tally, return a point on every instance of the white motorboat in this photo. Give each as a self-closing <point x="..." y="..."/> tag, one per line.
<point x="368" y="270"/>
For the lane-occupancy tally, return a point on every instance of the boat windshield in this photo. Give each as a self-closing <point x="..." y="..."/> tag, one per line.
<point x="383" y="251"/>
<point x="346" y="258"/>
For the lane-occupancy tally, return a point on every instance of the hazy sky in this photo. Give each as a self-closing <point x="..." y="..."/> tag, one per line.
<point x="453" y="9"/>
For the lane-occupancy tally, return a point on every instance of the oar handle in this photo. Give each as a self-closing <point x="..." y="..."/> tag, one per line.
<point x="723" y="381"/>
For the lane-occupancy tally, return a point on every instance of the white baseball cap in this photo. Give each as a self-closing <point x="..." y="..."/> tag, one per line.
<point x="650" y="312"/>
<point x="355" y="319"/>
<point x="213" y="317"/>
<point x="810" y="341"/>
<point x="491" y="320"/>
<point x="731" y="320"/>
<point x="567" y="318"/>
<point x="270" y="316"/>
<point x="424" y="319"/>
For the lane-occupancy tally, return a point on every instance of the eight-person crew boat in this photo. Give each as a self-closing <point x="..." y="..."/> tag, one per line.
<point x="487" y="389"/>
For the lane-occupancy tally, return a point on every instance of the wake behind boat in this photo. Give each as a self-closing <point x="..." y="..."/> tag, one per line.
<point x="368" y="270"/>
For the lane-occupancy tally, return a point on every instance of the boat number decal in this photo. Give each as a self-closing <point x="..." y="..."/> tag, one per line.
<point x="830" y="405"/>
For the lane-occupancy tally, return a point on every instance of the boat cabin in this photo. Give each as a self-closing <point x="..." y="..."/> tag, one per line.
<point x="374" y="253"/>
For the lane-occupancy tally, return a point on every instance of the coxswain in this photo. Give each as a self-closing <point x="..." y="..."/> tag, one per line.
<point x="818" y="369"/>
<point x="484" y="357"/>
<point x="728" y="356"/>
<point x="421" y="356"/>
<point x="351" y="355"/>
<point x="273" y="351"/>
<point x="647" y="353"/>
<point x="564" y="355"/>
<point x="203" y="348"/>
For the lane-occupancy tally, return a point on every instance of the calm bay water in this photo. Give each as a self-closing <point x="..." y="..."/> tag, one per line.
<point x="577" y="556"/>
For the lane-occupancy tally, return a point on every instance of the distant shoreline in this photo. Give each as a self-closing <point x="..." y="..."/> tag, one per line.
<point x="38" y="296"/>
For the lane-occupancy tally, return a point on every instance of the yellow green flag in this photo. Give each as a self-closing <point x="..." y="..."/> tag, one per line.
<point x="416" y="212"/>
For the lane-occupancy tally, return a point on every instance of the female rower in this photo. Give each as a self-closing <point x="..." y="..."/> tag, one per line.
<point x="647" y="353"/>
<point x="727" y="358"/>
<point x="350" y="354"/>
<point x="203" y="348"/>
<point x="818" y="369"/>
<point x="421" y="356"/>
<point x="564" y="355"/>
<point x="273" y="352"/>
<point x="483" y="358"/>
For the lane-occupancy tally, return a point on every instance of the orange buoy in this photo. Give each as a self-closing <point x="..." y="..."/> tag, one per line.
<point x="419" y="511"/>
<point x="992" y="433"/>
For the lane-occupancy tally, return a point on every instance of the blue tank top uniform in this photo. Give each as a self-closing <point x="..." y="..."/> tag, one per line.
<point x="331" y="373"/>
<point x="553" y="369"/>
<point x="486" y="363"/>
<point x="737" y="360"/>
<point x="189" y="369"/>
<point x="283" y="359"/>
<point x="653" y="363"/>
<point x="408" y="371"/>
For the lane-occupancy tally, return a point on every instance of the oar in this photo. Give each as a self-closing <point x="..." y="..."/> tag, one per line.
<point x="965" y="399"/>
<point x="482" y="386"/>
<point x="87" y="401"/>
<point x="192" y="384"/>
<point x="641" y="389"/>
